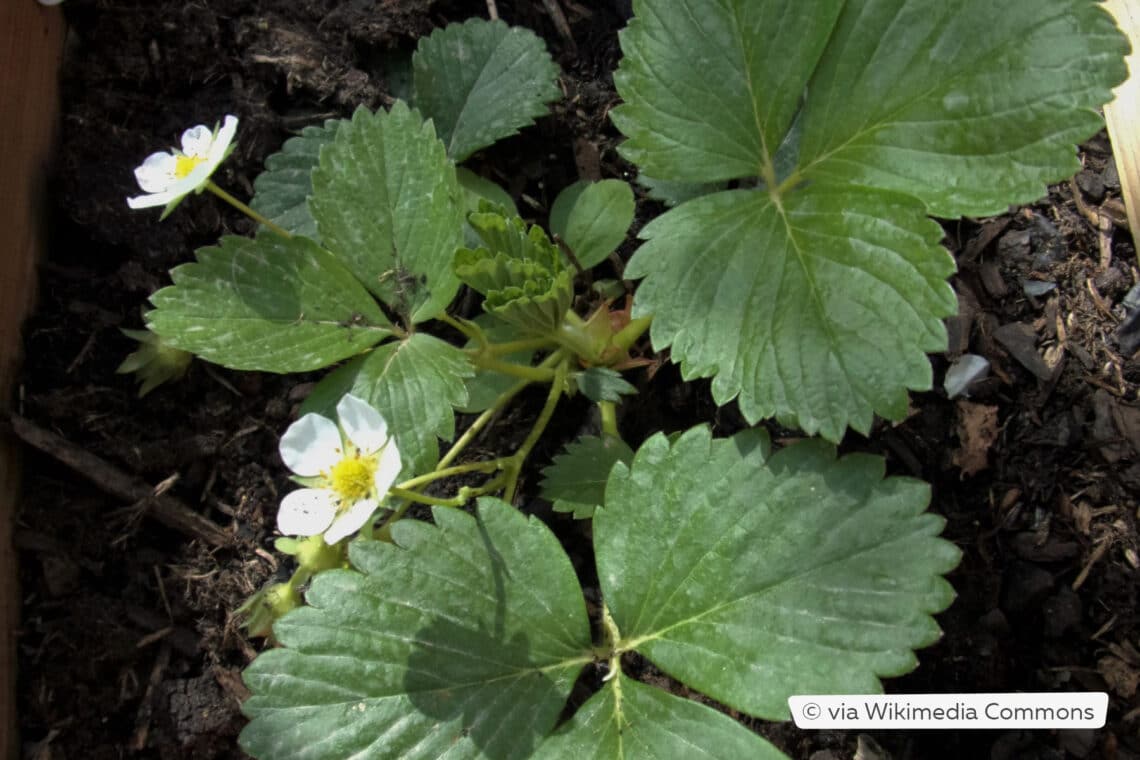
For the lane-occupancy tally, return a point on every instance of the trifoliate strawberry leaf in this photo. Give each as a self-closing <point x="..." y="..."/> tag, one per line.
<point x="817" y="312"/>
<point x="592" y="218"/>
<point x="752" y="577"/>
<point x="792" y="293"/>
<point x="628" y="719"/>
<point x="281" y="192"/>
<point x="414" y="383"/>
<point x="481" y="81"/>
<point x="387" y="202"/>
<point x="602" y="384"/>
<point x="576" y="479"/>
<point x="270" y="303"/>
<point x="461" y="640"/>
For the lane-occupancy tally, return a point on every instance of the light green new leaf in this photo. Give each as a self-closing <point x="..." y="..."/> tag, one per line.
<point x="710" y="87"/>
<point x="414" y="383"/>
<point x="817" y="313"/>
<point x="752" y="578"/>
<point x="271" y="303"/>
<point x="628" y="720"/>
<point x="481" y="81"/>
<point x="388" y="204"/>
<point x="969" y="105"/>
<point x="592" y="218"/>
<point x="281" y="193"/>
<point x="463" y="640"/>
<point x="576" y="480"/>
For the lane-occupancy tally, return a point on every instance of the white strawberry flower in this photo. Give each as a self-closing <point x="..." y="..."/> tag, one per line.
<point x="352" y="466"/>
<point x="169" y="177"/>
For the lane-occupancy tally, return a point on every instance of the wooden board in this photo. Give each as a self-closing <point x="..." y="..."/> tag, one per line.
<point x="1123" y="114"/>
<point x="31" y="44"/>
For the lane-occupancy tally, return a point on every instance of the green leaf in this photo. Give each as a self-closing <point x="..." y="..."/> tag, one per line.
<point x="271" y="303"/>
<point x="387" y="202"/>
<point x="711" y="86"/>
<point x="481" y="81"/>
<point x="281" y="193"/>
<point x="519" y="271"/>
<point x="462" y="640"/>
<point x="673" y="193"/>
<point x="482" y="189"/>
<point x="970" y="106"/>
<point x="628" y="719"/>
<point x="485" y="387"/>
<point x="414" y="383"/>
<point x="817" y="312"/>
<point x="964" y="106"/>
<point x="593" y="218"/>
<point x="603" y="384"/>
<point x="576" y="480"/>
<point x="752" y="578"/>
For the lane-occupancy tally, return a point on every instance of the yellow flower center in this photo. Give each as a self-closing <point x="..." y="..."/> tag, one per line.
<point x="185" y="164"/>
<point x="352" y="478"/>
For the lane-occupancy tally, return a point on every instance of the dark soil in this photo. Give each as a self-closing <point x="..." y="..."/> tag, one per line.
<point x="129" y="646"/>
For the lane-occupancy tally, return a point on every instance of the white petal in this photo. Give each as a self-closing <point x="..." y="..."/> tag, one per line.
<point x="351" y="521"/>
<point x="388" y="470"/>
<point x="196" y="141"/>
<point x="311" y="445"/>
<point x="362" y="423"/>
<point x="223" y="139"/>
<point x="306" y="512"/>
<point x="150" y="201"/>
<point x="157" y="172"/>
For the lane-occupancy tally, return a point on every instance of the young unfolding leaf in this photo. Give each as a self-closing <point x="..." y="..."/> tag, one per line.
<point x="592" y="218"/>
<point x="519" y="271"/>
<point x="387" y="202"/>
<point x="576" y="480"/>
<point x="281" y="192"/>
<point x="792" y="297"/>
<point x="481" y="81"/>
<point x="628" y="719"/>
<point x="271" y="303"/>
<point x="414" y="383"/>
<point x="753" y="577"/>
<point x="461" y="640"/>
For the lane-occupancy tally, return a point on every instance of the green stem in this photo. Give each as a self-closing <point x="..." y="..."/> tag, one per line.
<point x="556" y="389"/>
<point x="516" y="346"/>
<point x="412" y="496"/>
<point x="213" y="188"/>
<point x="533" y="374"/>
<point x="489" y="465"/>
<point x="485" y="418"/>
<point x="470" y="330"/>
<point x="629" y="334"/>
<point x="609" y="418"/>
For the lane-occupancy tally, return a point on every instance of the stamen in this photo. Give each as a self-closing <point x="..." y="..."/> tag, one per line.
<point x="185" y="164"/>
<point x="352" y="478"/>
